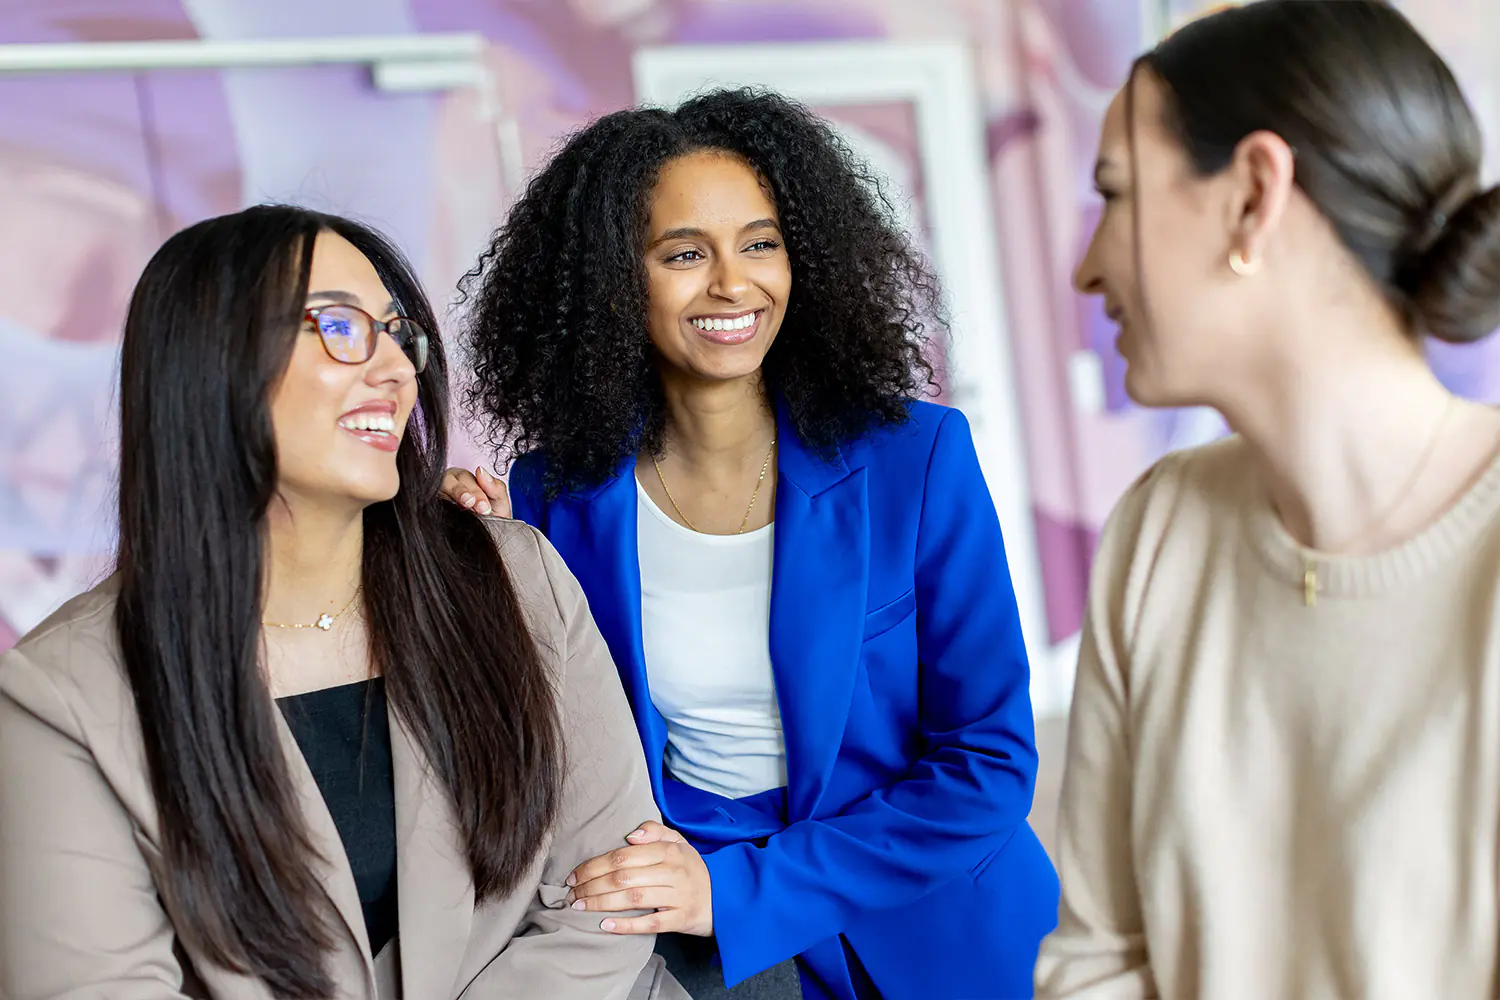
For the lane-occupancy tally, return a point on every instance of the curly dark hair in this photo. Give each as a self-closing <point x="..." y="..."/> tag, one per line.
<point x="558" y="302"/>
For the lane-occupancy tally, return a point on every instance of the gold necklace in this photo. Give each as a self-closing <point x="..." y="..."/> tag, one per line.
<point x="1310" y="557"/>
<point x="754" y="493"/>
<point x="325" y="620"/>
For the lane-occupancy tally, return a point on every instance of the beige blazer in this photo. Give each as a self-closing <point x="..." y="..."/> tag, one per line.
<point x="79" y="914"/>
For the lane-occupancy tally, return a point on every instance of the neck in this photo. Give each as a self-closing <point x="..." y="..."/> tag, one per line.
<point x="1342" y="437"/>
<point x="711" y="424"/>
<point x="314" y="558"/>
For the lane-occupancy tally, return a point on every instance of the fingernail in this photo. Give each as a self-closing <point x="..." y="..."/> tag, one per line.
<point x="466" y="500"/>
<point x="579" y="905"/>
<point x="484" y="506"/>
<point x="572" y="879"/>
<point x="638" y="833"/>
<point x="607" y="925"/>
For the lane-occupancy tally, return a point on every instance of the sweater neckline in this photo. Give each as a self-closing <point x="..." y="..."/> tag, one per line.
<point x="1353" y="576"/>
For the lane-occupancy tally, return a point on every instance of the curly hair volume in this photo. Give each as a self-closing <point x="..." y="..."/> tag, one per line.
<point x="558" y="302"/>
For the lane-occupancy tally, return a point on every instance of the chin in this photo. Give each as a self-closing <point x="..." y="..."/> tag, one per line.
<point x="726" y="367"/>
<point x="373" y="489"/>
<point x="1141" y="390"/>
<point x="738" y="373"/>
<point x="1149" y="392"/>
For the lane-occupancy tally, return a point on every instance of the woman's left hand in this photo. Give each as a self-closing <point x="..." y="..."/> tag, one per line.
<point x="660" y="871"/>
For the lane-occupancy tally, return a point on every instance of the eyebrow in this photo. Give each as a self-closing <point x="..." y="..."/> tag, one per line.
<point x="692" y="232"/>
<point x="345" y="299"/>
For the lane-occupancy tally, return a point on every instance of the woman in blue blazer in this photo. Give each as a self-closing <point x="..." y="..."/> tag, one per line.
<point x="705" y="334"/>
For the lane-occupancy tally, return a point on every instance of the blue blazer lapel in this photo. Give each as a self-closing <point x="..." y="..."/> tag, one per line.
<point x="818" y="597"/>
<point x="819" y="588"/>
<point x="596" y="533"/>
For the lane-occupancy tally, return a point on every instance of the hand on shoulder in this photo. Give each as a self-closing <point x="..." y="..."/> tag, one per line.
<point x="478" y="491"/>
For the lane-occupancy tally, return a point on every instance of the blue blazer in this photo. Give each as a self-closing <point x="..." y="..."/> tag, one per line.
<point x="901" y="836"/>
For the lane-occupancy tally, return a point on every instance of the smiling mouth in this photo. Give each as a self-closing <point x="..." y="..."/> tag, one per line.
<point x="728" y="330"/>
<point x="369" y="422"/>
<point x="375" y="429"/>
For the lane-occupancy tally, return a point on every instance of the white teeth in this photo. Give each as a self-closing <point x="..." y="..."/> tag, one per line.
<point x="723" y="325"/>
<point x="369" y="422"/>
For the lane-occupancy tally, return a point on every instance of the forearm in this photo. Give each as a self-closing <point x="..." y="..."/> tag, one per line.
<point x="894" y="846"/>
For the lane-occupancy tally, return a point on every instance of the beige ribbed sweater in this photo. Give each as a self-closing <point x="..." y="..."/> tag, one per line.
<point x="1270" y="801"/>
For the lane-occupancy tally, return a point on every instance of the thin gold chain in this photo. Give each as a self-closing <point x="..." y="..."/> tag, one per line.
<point x="325" y="620"/>
<point x="764" y="466"/>
<point x="1310" y="557"/>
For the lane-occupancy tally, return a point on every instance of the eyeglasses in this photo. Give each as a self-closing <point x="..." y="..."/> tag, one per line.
<point x="349" y="334"/>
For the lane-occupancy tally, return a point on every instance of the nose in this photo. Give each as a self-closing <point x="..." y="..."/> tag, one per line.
<point x="389" y="365"/>
<point x="729" y="281"/>
<point x="1086" y="277"/>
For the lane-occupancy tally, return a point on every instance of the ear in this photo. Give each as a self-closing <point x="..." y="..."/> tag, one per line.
<point x="1263" y="168"/>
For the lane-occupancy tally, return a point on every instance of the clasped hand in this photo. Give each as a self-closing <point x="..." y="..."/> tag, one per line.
<point x="659" y="871"/>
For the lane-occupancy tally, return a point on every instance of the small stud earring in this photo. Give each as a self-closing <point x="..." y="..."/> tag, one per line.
<point x="1239" y="265"/>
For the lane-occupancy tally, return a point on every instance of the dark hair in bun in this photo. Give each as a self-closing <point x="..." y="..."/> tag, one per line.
<point x="1387" y="146"/>
<point x="1454" y="286"/>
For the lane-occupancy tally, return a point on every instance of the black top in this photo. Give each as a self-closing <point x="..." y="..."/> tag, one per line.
<point x="351" y="763"/>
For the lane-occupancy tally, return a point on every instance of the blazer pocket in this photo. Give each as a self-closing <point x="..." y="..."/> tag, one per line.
<point x="888" y="616"/>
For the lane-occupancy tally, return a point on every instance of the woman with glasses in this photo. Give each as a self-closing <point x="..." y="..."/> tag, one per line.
<point x="320" y="734"/>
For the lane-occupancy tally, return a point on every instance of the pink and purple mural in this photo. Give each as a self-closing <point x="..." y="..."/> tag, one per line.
<point x="95" y="170"/>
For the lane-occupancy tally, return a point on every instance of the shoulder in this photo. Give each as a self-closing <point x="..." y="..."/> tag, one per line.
<point x="69" y="667"/>
<point x="531" y="563"/>
<point x="529" y="472"/>
<point x="518" y="542"/>
<point x="1185" y="505"/>
<point x="928" y="428"/>
<point x="925" y="417"/>
<point x="1209" y="482"/>
<point x="557" y="615"/>
<point x="549" y="594"/>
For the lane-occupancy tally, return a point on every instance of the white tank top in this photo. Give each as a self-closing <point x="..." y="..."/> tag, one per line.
<point x="706" y="629"/>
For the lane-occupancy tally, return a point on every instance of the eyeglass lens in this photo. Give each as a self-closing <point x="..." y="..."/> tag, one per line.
<point x="349" y="334"/>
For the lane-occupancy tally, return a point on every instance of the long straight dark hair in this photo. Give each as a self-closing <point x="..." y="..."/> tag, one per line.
<point x="209" y="333"/>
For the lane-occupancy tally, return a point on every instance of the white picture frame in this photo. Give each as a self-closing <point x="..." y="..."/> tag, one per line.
<point x="397" y="63"/>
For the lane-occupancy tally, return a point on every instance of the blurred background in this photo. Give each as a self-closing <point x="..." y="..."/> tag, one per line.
<point x="424" y="117"/>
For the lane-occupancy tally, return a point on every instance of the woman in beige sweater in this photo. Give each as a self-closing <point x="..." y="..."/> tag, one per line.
<point x="1283" y="773"/>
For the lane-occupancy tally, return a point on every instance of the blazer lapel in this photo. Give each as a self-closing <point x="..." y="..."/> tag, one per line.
<point x="434" y="890"/>
<point x="819" y="586"/>
<point x="332" y="862"/>
<point x="596" y="534"/>
<point x="818" y="598"/>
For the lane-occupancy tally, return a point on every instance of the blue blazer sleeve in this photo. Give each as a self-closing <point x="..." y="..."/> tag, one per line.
<point x="966" y="795"/>
<point x="526" y="496"/>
